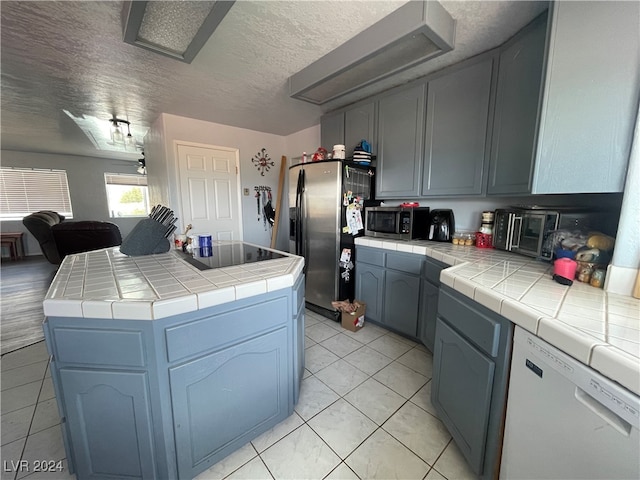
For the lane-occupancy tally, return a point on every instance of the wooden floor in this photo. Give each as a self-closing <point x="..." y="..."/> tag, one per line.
<point x="23" y="285"/>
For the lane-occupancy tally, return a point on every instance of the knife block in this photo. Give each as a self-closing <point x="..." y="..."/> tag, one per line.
<point x="146" y="238"/>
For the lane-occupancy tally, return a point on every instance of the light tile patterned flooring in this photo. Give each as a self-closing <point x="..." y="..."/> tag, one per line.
<point x="364" y="413"/>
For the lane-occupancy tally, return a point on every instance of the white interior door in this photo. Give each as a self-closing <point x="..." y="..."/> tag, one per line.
<point x="209" y="191"/>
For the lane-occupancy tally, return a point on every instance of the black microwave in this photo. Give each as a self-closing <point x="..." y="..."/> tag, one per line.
<point x="397" y="223"/>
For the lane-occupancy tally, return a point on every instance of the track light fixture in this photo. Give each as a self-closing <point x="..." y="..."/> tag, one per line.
<point x="117" y="133"/>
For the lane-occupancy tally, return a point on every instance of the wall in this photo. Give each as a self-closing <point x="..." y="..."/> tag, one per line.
<point x="173" y="128"/>
<point x="86" y="187"/>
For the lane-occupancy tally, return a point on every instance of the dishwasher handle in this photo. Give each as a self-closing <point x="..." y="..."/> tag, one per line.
<point x="619" y="424"/>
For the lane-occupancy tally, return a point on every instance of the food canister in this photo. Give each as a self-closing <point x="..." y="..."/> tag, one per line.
<point x="565" y="267"/>
<point x="338" y="152"/>
<point x="204" y="240"/>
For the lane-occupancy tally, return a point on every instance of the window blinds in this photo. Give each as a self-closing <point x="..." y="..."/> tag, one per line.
<point x="124" y="179"/>
<point x="27" y="190"/>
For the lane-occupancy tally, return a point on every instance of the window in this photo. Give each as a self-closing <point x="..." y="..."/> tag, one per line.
<point x="29" y="190"/>
<point x="127" y="195"/>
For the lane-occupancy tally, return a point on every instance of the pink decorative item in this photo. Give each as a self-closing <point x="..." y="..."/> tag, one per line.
<point x="565" y="267"/>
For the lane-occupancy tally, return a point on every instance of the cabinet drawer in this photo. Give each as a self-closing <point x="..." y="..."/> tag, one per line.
<point x="370" y="256"/>
<point x="405" y="263"/>
<point x="477" y="327"/>
<point x="99" y="347"/>
<point x="211" y="333"/>
<point x="432" y="269"/>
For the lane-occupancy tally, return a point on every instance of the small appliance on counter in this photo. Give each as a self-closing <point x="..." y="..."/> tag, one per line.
<point x="397" y="223"/>
<point x="441" y="225"/>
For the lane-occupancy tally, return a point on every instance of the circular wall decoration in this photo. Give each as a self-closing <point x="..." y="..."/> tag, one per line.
<point x="262" y="161"/>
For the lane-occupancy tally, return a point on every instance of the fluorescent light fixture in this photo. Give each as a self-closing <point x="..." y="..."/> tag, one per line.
<point x="176" y="29"/>
<point x="415" y="32"/>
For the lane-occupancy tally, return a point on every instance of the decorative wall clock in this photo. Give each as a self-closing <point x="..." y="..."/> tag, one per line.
<point x="262" y="161"/>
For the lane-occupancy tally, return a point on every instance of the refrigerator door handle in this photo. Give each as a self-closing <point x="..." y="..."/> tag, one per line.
<point x="298" y="227"/>
<point x="303" y="218"/>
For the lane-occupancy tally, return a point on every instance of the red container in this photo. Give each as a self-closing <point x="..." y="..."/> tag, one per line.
<point x="484" y="240"/>
<point x="565" y="267"/>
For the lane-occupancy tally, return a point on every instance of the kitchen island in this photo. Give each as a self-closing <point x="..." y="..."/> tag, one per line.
<point x="164" y="364"/>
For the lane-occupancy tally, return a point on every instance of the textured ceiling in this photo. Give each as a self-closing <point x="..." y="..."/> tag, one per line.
<point x="66" y="60"/>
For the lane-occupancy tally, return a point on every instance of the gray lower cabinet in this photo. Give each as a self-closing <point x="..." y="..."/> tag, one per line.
<point x="370" y="289"/>
<point x="429" y="291"/>
<point x="401" y="300"/>
<point x="456" y="150"/>
<point x="170" y="397"/>
<point x="516" y="111"/>
<point x="471" y="362"/>
<point x="400" y="142"/>
<point x="108" y="416"/>
<point x="393" y="285"/>
<point x="226" y="396"/>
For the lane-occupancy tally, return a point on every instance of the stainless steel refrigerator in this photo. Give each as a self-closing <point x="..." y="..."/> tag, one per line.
<point x="318" y="225"/>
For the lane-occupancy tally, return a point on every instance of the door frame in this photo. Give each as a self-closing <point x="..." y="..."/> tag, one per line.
<point x="176" y="156"/>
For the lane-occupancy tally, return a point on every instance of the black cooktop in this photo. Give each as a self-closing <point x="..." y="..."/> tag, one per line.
<point x="228" y="255"/>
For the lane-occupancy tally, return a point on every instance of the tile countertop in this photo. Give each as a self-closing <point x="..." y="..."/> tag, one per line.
<point x="598" y="328"/>
<point x="109" y="284"/>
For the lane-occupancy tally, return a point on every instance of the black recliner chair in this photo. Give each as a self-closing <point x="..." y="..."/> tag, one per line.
<point x="58" y="238"/>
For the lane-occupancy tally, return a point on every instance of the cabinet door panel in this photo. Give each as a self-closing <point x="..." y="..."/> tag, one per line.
<point x="369" y="289"/>
<point x="428" y="312"/>
<point x="456" y="134"/>
<point x="359" y="124"/>
<point x="461" y="392"/>
<point x="108" y="416"/>
<point x="400" y="140"/>
<point x="223" y="398"/>
<point x="401" y="299"/>
<point x="517" y="98"/>
<point x="331" y="130"/>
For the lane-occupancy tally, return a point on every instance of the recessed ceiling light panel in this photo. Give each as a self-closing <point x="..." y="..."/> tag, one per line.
<point x="176" y="29"/>
<point x="415" y="32"/>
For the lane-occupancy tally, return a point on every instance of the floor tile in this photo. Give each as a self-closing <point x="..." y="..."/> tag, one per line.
<point x="434" y="475"/>
<point x="46" y="416"/>
<point x="229" y="464"/>
<point x="15" y="424"/>
<point x="419" y="360"/>
<point x="421" y="432"/>
<point x="252" y="470"/>
<point x="402" y="339"/>
<point x="23" y="375"/>
<point x="337" y="326"/>
<point x="270" y="437"/>
<point x="375" y="400"/>
<point x="315" y="396"/>
<point x="59" y="471"/>
<point x="401" y="379"/>
<point x="452" y="464"/>
<point x="319" y="332"/>
<point x="382" y="457"/>
<point x="390" y="346"/>
<point x="25" y="356"/>
<point x="47" y="392"/>
<point x="46" y="444"/>
<point x="19" y="397"/>
<point x="342" y="472"/>
<point x="341" y="377"/>
<point x="11" y="453"/>
<point x="306" y="374"/>
<point x="301" y="454"/>
<point x="422" y="398"/>
<point x="341" y="345"/>
<point x="368" y="360"/>
<point x="317" y="357"/>
<point x="366" y="334"/>
<point x="342" y="427"/>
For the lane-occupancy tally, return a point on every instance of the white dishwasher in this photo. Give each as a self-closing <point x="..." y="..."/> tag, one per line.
<point x="566" y="421"/>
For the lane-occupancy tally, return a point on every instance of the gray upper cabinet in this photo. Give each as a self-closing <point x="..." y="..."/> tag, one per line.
<point x="590" y="97"/>
<point x="516" y="111"/>
<point x="332" y="130"/>
<point x="359" y="124"/>
<point x="400" y="134"/>
<point x="456" y="143"/>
